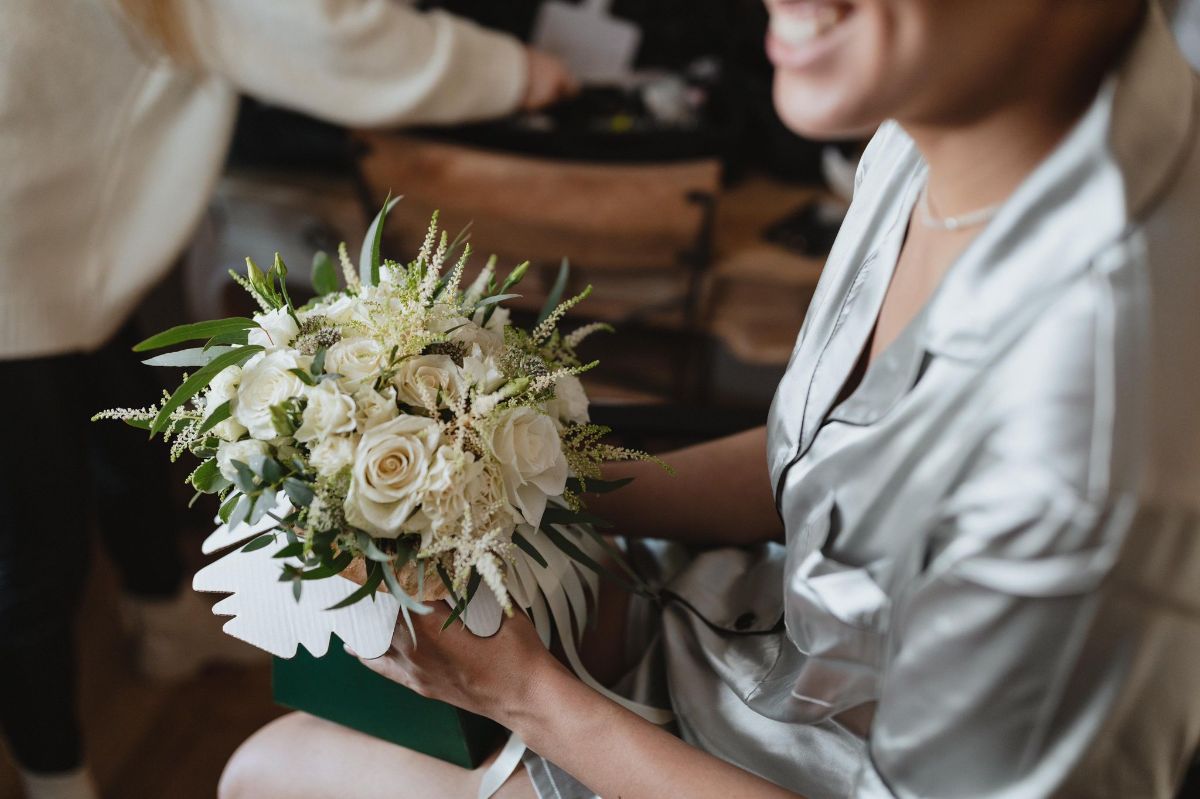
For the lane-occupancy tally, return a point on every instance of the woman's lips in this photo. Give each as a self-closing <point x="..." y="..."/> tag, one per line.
<point x="800" y="32"/>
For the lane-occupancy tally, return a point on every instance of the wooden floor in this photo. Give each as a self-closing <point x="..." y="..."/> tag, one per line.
<point x="154" y="741"/>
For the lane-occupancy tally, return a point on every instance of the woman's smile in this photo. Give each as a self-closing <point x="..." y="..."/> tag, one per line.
<point x="803" y="32"/>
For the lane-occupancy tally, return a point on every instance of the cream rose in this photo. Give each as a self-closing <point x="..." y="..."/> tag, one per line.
<point x="531" y="459"/>
<point x="570" y="403"/>
<point x="426" y="379"/>
<point x="266" y="381"/>
<point x="389" y="475"/>
<point x="356" y="359"/>
<point x="249" y="452"/>
<point x="275" y="329"/>
<point x="330" y="455"/>
<point x="375" y="407"/>
<point x="328" y="412"/>
<point x="222" y="389"/>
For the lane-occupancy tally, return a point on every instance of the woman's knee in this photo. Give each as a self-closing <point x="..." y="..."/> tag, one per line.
<point x="256" y="764"/>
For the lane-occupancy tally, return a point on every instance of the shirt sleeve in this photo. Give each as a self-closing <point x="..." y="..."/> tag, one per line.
<point x="362" y="63"/>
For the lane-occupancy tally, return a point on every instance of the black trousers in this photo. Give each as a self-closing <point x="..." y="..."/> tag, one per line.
<point x="58" y="472"/>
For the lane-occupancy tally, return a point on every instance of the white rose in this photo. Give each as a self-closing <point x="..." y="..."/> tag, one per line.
<point x="428" y="381"/>
<point x="391" y="466"/>
<point x="328" y="412"/>
<point x="531" y="459"/>
<point x="356" y="359"/>
<point x="570" y="403"/>
<point x="375" y="407"/>
<point x="249" y="452"/>
<point x="222" y="389"/>
<point x="342" y="310"/>
<point x="275" y="329"/>
<point x="330" y="455"/>
<point x="266" y="381"/>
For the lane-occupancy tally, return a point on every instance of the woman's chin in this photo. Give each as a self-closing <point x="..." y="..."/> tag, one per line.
<point x="821" y="112"/>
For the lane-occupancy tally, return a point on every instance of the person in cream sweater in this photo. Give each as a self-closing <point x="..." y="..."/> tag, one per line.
<point x="115" y="118"/>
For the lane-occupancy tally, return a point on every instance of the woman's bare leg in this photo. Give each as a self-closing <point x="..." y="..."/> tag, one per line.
<point x="302" y="757"/>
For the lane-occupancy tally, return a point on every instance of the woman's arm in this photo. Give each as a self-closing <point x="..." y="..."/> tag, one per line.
<point x="720" y="494"/>
<point x="513" y="679"/>
<point x="617" y="753"/>
<point x="368" y="63"/>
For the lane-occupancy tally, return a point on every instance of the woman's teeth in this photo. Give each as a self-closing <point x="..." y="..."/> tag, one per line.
<point x="800" y="29"/>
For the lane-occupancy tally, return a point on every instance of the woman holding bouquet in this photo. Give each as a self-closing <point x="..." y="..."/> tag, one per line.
<point x="985" y="455"/>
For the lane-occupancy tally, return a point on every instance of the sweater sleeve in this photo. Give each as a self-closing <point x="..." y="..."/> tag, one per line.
<point x="362" y="63"/>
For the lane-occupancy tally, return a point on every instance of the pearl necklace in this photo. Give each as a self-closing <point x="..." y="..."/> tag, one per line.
<point x="950" y="223"/>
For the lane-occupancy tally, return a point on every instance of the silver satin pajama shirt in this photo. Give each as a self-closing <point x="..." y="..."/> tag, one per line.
<point x="991" y="580"/>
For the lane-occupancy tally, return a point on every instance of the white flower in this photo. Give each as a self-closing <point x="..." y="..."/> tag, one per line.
<point x="340" y="310"/>
<point x="330" y="455"/>
<point x="391" y="466"/>
<point x="428" y="381"/>
<point x="266" y="381"/>
<point x="356" y="359"/>
<point x="329" y="411"/>
<point x="482" y="372"/>
<point x="222" y="389"/>
<point x="490" y="339"/>
<point x="375" y="407"/>
<point x="275" y="329"/>
<point x="531" y="459"/>
<point x="249" y="452"/>
<point x="570" y="403"/>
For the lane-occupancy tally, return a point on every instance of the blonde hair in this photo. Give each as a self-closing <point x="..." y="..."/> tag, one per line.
<point x="159" y="21"/>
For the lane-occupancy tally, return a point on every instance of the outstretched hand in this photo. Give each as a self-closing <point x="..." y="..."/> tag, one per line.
<point x="494" y="677"/>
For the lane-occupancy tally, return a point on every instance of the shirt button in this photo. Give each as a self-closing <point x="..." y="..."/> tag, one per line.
<point x="745" y="621"/>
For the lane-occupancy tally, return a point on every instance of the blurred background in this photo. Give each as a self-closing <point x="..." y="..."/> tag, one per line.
<point x="668" y="182"/>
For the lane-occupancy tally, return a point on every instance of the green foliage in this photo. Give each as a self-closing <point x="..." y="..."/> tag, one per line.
<point x="197" y="382"/>
<point x="194" y="332"/>
<point x="324" y="274"/>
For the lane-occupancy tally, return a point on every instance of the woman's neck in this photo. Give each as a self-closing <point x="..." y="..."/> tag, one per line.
<point x="979" y="160"/>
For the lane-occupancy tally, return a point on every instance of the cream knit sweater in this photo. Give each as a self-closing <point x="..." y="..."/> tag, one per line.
<point x="109" y="150"/>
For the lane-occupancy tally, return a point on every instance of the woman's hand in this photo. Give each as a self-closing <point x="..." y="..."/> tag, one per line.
<point x="549" y="80"/>
<point x="494" y="677"/>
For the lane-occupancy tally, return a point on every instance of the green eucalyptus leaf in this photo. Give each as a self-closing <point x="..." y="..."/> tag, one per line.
<point x="240" y="511"/>
<point x="196" y="356"/>
<point x="597" y="486"/>
<point x="259" y="542"/>
<point x="369" y="259"/>
<point x="227" y="507"/>
<point x="204" y="476"/>
<point x="298" y="491"/>
<point x="239" y="337"/>
<point x="367" y="589"/>
<point x="194" y="332"/>
<point x="245" y="477"/>
<point x="556" y="291"/>
<point x="324" y="274"/>
<point x="494" y="300"/>
<point x="219" y="414"/>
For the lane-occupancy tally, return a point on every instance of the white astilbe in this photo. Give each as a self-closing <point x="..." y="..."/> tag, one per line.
<point x="546" y="382"/>
<point x="545" y="330"/>
<point x="349" y="273"/>
<point x="576" y="337"/>
<point x="456" y="274"/>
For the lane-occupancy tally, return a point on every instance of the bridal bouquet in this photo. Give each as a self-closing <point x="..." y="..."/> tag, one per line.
<point x="397" y="429"/>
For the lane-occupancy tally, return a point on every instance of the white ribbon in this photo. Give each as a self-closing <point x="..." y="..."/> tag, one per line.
<point x="554" y="595"/>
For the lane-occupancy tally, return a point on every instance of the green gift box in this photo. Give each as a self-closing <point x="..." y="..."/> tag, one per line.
<point x="338" y="688"/>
